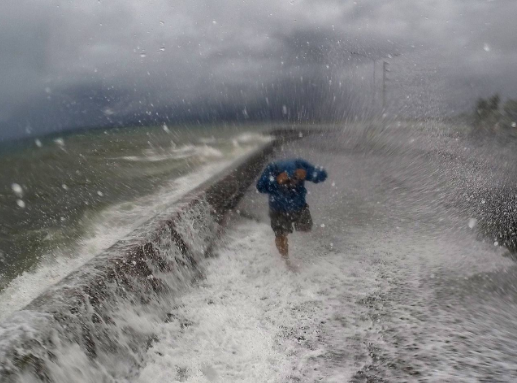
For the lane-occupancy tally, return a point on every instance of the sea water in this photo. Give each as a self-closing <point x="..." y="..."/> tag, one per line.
<point x="65" y="198"/>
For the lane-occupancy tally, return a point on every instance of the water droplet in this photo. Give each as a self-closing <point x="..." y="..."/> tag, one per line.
<point x="322" y="225"/>
<point x="64" y="187"/>
<point x="143" y="55"/>
<point x="60" y="142"/>
<point x="38" y="143"/>
<point x="166" y="128"/>
<point x="17" y="189"/>
<point x="162" y="49"/>
<point x="214" y="22"/>
<point x="20" y="203"/>
<point x="162" y="22"/>
<point x="486" y="47"/>
<point x="472" y="223"/>
<point x="100" y="193"/>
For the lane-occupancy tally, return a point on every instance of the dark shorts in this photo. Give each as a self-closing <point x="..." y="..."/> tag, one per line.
<point x="282" y="221"/>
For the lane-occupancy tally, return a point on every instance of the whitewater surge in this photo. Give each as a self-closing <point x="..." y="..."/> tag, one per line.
<point x="119" y="302"/>
<point x="352" y="310"/>
<point x="251" y="319"/>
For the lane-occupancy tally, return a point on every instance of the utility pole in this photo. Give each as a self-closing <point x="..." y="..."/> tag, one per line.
<point x="373" y="83"/>
<point x="373" y="92"/>
<point x="384" y="70"/>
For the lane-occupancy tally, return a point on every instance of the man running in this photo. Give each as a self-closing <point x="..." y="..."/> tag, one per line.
<point x="284" y="181"/>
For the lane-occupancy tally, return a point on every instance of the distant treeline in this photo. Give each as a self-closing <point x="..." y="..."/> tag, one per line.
<point x="491" y="114"/>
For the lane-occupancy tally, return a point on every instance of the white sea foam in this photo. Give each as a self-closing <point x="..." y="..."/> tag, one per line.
<point x="249" y="138"/>
<point x="183" y="152"/>
<point x="205" y="151"/>
<point x="251" y="319"/>
<point x="208" y="140"/>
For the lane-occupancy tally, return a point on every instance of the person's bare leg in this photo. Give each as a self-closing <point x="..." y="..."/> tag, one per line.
<point x="282" y="245"/>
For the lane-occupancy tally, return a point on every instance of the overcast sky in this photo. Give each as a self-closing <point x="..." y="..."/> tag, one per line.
<point x="89" y="62"/>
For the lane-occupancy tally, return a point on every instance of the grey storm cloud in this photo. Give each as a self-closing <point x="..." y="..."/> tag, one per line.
<point x="91" y="62"/>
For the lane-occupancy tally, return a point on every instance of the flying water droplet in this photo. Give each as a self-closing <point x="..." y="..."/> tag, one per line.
<point x="486" y="47"/>
<point x="20" y="203"/>
<point x="17" y="189"/>
<point x="38" y="143"/>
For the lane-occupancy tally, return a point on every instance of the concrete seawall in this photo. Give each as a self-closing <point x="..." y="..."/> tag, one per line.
<point x="87" y="311"/>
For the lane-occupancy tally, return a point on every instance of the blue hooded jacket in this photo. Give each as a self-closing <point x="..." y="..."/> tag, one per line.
<point x="282" y="198"/>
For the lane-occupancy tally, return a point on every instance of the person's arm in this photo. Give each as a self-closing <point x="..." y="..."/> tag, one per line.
<point x="313" y="173"/>
<point x="267" y="181"/>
